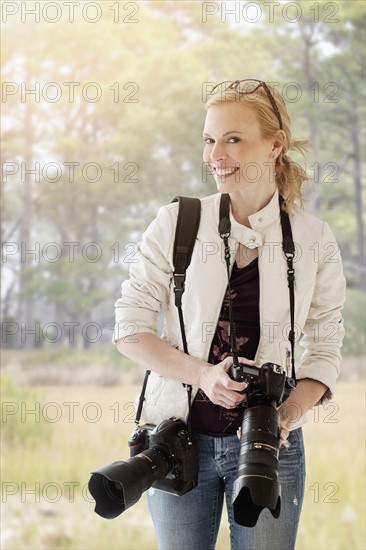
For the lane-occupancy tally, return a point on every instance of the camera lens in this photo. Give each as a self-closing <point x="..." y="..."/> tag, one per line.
<point x="119" y="485"/>
<point x="256" y="486"/>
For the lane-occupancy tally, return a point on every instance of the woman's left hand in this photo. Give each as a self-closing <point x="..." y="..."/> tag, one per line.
<point x="306" y="394"/>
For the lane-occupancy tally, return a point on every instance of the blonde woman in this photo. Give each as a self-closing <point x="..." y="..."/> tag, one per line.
<point x="247" y="137"/>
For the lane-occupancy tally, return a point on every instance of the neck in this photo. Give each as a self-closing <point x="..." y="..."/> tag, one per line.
<point x="246" y="202"/>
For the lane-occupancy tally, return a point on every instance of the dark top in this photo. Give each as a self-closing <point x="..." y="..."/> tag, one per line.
<point x="213" y="419"/>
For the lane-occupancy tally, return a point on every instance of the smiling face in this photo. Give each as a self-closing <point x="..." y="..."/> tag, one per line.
<point x="236" y="153"/>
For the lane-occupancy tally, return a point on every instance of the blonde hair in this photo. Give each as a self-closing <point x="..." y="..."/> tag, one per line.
<point x="290" y="176"/>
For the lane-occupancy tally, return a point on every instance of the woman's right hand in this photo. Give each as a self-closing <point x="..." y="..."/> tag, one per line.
<point x="219" y="387"/>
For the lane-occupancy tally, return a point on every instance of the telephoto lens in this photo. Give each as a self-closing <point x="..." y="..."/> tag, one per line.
<point x="118" y="486"/>
<point x="164" y="456"/>
<point x="256" y="485"/>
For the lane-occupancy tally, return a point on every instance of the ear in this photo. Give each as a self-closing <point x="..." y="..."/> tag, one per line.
<point x="278" y="143"/>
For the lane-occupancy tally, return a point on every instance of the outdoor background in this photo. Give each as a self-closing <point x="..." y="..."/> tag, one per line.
<point x="102" y="111"/>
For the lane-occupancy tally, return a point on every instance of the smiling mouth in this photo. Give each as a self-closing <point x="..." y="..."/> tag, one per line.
<point x="224" y="172"/>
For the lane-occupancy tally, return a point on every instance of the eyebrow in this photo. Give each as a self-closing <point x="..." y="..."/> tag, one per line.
<point x="226" y="133"/>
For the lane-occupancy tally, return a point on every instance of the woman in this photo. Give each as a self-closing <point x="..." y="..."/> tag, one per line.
<point x="246" y="138"/>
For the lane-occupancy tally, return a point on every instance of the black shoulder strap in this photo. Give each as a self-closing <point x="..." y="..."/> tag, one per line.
<point x="189" y="216"/>
<point x="288" y="247"/>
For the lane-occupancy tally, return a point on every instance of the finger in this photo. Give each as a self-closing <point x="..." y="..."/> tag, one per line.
<point x="227" y="381"/>
<point x="228" y="362"/>
<point x="233" y="384"/>
<point x="246" y="361"/>
<point x="232" y="399"/>
<point x="238" y="387"/>
<point x="283" y="438"/>
<point x="222" y="403"/>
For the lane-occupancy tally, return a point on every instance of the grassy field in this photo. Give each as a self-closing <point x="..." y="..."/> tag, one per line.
<point x="52" y="437"/>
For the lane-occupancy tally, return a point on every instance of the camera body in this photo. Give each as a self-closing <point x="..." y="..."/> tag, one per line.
<point x="269" y="383"/>
<point x="171" y="439"/>
<point x="163" y="456"/>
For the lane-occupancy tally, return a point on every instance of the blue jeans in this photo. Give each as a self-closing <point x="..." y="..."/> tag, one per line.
<point x="192" y="521"/>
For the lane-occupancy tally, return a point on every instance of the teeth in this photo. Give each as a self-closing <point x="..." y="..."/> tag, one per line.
<point x="225" y="172"/>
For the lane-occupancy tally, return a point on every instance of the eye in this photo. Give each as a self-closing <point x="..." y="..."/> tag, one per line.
<point x="232" y="139"/>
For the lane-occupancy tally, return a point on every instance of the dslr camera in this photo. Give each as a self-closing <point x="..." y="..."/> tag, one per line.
<point x="164" y="457"/>
<point x="256" y="485"/>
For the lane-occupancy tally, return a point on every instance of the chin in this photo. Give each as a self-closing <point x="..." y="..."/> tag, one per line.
<point x="231" y="187"/>
<point x="242" y="185"/>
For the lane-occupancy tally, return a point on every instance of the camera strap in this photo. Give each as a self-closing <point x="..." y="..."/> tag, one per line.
<point x="188" y="221"/>
<point x="288" y="248"/>
<point x="189" y="217"/>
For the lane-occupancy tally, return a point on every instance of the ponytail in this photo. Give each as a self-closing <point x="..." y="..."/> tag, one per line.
<point x="290" y="176"/>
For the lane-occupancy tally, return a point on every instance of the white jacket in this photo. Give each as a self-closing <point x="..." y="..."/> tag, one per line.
<point x="319" y="296"/>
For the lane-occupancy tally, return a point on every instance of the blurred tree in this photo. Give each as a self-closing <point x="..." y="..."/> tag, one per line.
<point x="118" y="158"/>
<point x="19" y="137"/>
<point x="347" y="67"/>
<point x="326" y="60"/>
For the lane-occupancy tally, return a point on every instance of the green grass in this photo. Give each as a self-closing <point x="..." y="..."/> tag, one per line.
<point x="55" y="454"/>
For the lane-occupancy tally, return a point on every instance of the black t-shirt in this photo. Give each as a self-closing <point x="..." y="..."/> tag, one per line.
<point x="213" y="419"/>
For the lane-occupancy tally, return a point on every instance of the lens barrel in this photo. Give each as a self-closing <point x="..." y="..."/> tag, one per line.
<point x="256" y="485"/>
<point x="119" y="485"/>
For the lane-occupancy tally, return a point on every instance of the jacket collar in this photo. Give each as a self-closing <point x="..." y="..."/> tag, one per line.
<point x="267" y="215"/>
<point x="252" y="237"/>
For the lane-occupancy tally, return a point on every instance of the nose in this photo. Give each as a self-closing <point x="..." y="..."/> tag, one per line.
<point x="218" y="152"/>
